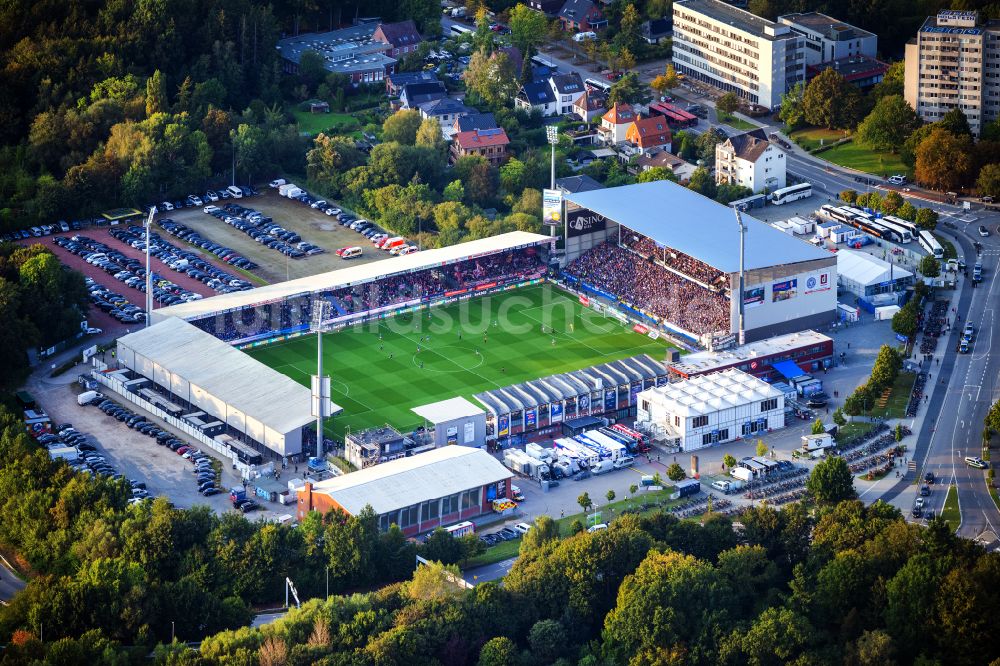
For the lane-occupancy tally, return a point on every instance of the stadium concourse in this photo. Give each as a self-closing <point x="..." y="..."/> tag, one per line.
<point x="671" y="257"/>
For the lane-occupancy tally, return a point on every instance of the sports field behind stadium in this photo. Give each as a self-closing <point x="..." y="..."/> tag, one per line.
<point x="378" y="374"/>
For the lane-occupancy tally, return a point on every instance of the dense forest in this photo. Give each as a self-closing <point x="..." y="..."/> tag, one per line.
<point x="837" y="583"/>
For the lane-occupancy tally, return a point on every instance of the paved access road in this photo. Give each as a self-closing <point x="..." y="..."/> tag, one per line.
<point x="9" y="583"/>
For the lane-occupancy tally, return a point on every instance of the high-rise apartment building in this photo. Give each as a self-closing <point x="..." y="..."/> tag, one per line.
<point x="737" y="51"/>
<point x="954" y="62"/>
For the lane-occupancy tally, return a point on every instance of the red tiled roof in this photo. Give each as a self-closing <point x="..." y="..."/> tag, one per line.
<point x="649" y="132"/>
<point x="481" y="138"/>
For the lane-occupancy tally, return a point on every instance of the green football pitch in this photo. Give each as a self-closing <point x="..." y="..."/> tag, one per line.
<point x="380" y="370"/>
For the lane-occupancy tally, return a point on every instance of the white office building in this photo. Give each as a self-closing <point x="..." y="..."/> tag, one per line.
<point x="828" y="39"/>
<point x="711" y="409"/>
<point x="737" y="51"/>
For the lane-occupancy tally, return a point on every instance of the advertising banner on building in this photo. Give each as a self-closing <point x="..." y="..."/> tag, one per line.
<point x="634" y="391"/>
<point x="551" y="207"/>
<point x="815" y="283"/>
<point x="782" y="291"/>
<point x="556" y="412"/>
<point x="543" y="414"/>
<point x="583" y="404"/>
<point x="583" y="221"/>
<point x="470" y="432"/>
<point x="753" y="297"/>
<point x="570" y="407"/>
<point x="530" y="419"/>
<point x="452" y="435"/>
<point x="610" y="399"/>
<point x="503" y="425"/>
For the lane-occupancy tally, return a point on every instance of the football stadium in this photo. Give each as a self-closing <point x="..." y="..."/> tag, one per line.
<point x="523" y="326"/>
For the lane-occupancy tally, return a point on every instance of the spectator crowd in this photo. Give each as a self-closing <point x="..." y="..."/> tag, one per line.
<point x="644" y="285"/>
<point x="675" y="259"/>
<point x="293" y="314"/>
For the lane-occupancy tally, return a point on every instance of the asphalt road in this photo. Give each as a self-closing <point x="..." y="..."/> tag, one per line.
<point x="489" y="572"/>
<point x="9" y="583"/>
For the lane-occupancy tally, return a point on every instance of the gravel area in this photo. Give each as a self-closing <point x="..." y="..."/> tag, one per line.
<point x="314" y="227"/>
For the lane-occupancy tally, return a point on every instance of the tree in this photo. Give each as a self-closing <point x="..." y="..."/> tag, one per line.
<point x="817" y="427"/>
<point x="929" y="267"/>
<point x="429" y="135"/>
<point x="988" y="182"/>
<point x="656" y="173"/>
<point x="584" y="501"/>
<point x="491" y="77"/>
<point x="727" y="103"/>
<point x="705" y="147"/>
<point x="726" y="193"/>
<point x="482" y="38"/>
<point x="610" y="495"/>
<point x="926" y="218"/>
<point x="702" y="182"/>
<point x="547" y="639"/>
<point x="499" y="651"/>
<point x="792" y="111"/>
<point x="907" y="211"/>
<point x="425" y="13"/>
<point x="761" y="448"/>
<point x="480" y="179"/>
<point x="830" y="481"/>
<point x="312" y="69"/>
<point x="891" y="202"/>
<point x="665" y="82"/>
<point x="729" y="460"/>
<point x="675" y="472"/>
<point x="252" y="154"/>
<point x="454" y="191"/>
<point x="904" y="322"/>
<point x="830" y="101"/>
<point x="943" y="160"/>
<point x="156" y="94"/>
<point x="629" y="37"/>
<point x="848" y="196"/>
<point x="891" y="83"/>
<point x="888" y="124"/>
<point x="542" y="532"/>
<point x="402" y="127"/>
<point x="954" y="121"/>
<point x="527" y="30"/>
<point x="628" y="90"/>
<point x="434" y="581"/>
<point x="838" y="416"/>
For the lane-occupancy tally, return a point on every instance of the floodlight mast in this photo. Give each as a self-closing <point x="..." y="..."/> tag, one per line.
<point x="149" y="278"/>
<point x="321" y="393"/>
<point x="743" y="233"/>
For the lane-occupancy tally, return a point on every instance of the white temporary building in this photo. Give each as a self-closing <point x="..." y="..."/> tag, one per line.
<point x="712" y="409"/>
<point x="197" y="367"/>
<point x="864" y="275"/>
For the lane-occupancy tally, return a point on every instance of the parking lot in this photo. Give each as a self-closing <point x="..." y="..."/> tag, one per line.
<point x="312" y="225"/>
<point x="135" y="455"/>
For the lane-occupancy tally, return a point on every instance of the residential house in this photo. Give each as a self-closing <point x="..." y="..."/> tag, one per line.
<point x="667" y="160"/>
<point x="750" y="160"/>
<point x="615" y="123"/>
<point x="402" y="37"/>
<point x="490" y="143"/>
<point x="648" y="133"/>
<point x="548" y="7"/>
<point x="514" y="56"/>
<point x="475" y="121"/>
<point x="536" y="96"/>
<point x="577" y="184"/>
<point x="414" y="94"/>
<point x="581" y="16"/>
<point x="445" y="111"/>
<point x="590" y="104"/>
<point x="566" y="88"/>
<point x="394" y="82"/>
<point x="656" y="30"/>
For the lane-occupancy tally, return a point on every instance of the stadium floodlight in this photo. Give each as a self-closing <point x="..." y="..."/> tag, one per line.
<point x="743" y="233"/>
<point x="321" y="405"/>
<point x="149" y="279"/>
<point x="552" y="134"/>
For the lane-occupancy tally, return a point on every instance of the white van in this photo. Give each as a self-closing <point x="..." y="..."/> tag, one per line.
<point x="277" y="182"/>
<point x="351" y="252"/>
<point x="236" y="192"/>
<point x="584" y="36"/>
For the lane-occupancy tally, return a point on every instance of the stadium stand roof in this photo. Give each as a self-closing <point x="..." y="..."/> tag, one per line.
<point x="356" y="274"/>
<point x="224" y="372"/>
<point x="686" y="221"/>
<point x="404" y="482"/>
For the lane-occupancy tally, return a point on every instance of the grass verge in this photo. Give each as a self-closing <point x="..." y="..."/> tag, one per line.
<point x="951" y="512"/>
<point x="849" y="431"/>
<point x="738" y="123"/>
<point x="855" y="156"/>
<point x="815" y="137"/>
<point x="314" y="123"/>
<point x="947" y="245"/>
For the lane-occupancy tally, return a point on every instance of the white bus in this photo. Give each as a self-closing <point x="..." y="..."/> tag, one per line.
<point x="906" y="224"/>
<point x="461" y="529"/>
<point x="904" y="235"/>
<point x="598" y="84"/>
<point x="460" y="30"/>
<point x="929" y="243"/>
<point x="791" y="193"/>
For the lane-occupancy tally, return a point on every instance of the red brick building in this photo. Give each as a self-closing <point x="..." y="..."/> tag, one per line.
<point x="582" y="16"/>
<point x="490" y="143"/>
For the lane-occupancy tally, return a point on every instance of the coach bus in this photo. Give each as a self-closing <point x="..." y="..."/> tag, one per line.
<point x="903" y="234"/>
<point x="460" y="30"/>
<point x="862" y="221"/>
<point x="906" y="224"/>
<point x="791" y="193"/>
<point x="598" y="84"/>
<point x="929" y="243"/>
<point x="461" y="529"/>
